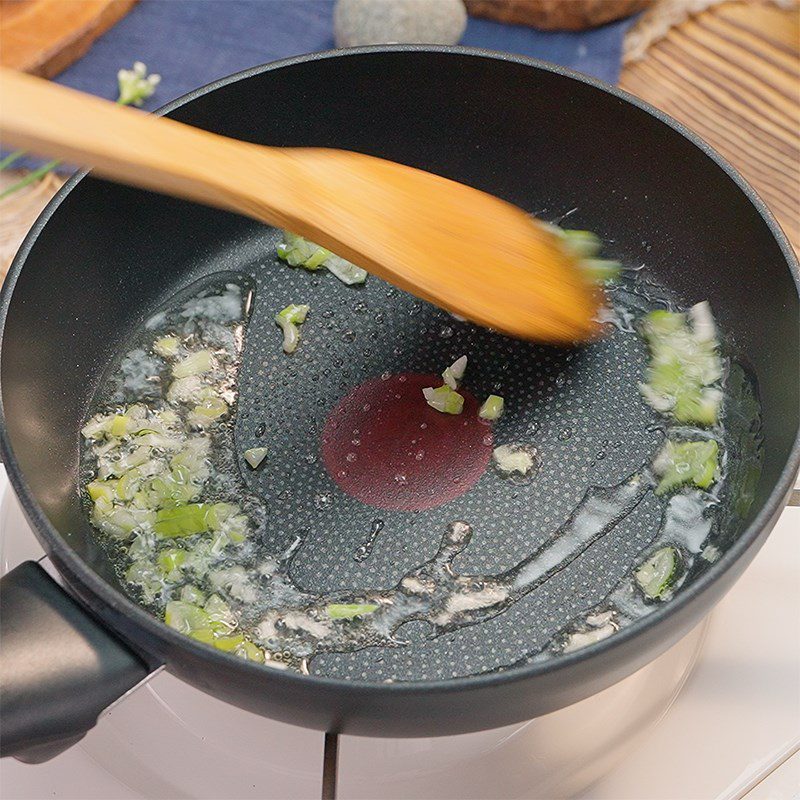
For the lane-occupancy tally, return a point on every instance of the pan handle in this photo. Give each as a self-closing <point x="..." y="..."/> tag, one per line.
<point x="59" y="669"/>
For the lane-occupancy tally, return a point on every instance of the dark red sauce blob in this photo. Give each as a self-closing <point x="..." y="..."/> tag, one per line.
<point x="385" y="446"/>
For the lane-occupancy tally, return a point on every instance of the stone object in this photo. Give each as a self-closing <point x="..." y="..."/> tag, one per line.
<point x="361" y="22"/>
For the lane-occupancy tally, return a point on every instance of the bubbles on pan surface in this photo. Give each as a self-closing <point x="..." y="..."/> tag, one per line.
<point x="579" y="411"/>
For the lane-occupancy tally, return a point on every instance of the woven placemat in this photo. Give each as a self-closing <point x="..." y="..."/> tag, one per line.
<point x="20" y="210"/>
<point x="655" y="23"/>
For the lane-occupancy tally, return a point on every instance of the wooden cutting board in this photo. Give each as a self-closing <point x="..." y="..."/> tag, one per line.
<point x="44" y="37"/>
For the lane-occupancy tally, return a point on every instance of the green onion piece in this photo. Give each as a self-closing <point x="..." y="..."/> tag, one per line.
<point x="296" y="314"/>
<point x="220" y="616"/>
<point x="170" y="491"/>
<point x="171" y="559"/>
<point x="679" y="463"/>
<point x="102" y="506"/>
<point x="186" y="617"/>
<point x="584" y="244"/>
<point x="143" y="574"/>
<point x="684" y="362"/>
<point x="236" y="528"/>
<point x="194" y="364"/>
<point x="291" y="335"/>
<point x="658" y="573"/>
<point x="191" y="594"/>
<point x="219" y="513"/>
<point x="180" y="474"/>
<point x="173" y="488"/>
<point x="97" y="426"/>
<point x="345" y="271"/>
<point x="701" y="407"/>
<point x="168" y="417"/>
<point x="182" y="521"/>
<point x="167" y="346"/>
<point x="453" y="375"/>
<point x="212" y="408"/>
<point x="492" y="407"/>
<point x="703" y="326"/>
<point x="121" y="522"/>
<point x="288" y="320"/>
<point x="317" y="259"/>
<point x="137" y="457"/>
<point x="141" y="500"/>
<point x="119" y="425"/>
<point x="661" y="323"/>
<point x="711" y="553"/>
<point x="444" y="399"/>
<point x="255" y="455"/>
<point x="106" y="490"/>
<point x="349" y="610"/>
<point x="129" y="483"/>
<point x="193" y="456"/>
<point x="299" y="252"/>
<point x="601" y="269"/>
<point x="205" y="635"/>
<point x="229" y="643"/>
<point x="250" y="651"/>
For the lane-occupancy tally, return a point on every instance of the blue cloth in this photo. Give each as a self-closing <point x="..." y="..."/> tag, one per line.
<point x="192" y="42"/>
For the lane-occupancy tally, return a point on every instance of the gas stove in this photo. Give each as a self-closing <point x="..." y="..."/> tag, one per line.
<point x="716" y="717"/>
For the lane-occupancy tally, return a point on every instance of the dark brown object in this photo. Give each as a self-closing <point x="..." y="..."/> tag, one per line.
<point x="569" y="15"/>
<point x="43" y="37"/>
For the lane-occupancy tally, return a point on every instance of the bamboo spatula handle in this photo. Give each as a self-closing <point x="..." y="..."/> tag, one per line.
<point x="460" y="248"/>
<point x="123" y="143"/>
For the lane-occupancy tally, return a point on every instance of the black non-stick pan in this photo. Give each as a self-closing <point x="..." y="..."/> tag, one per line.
<point x="103" y="257"/>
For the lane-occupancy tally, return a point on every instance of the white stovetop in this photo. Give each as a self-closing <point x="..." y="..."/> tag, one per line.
<point x="715" y="718"/>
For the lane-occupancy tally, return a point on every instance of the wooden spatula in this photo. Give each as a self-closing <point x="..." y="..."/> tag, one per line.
<point x="462" y="249"/>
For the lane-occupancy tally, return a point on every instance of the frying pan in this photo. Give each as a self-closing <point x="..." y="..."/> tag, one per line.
<point x="103" y="257"/>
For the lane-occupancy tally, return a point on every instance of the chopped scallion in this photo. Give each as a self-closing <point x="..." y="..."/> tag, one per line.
<point x="453" y="375"/>
<point x="444" y="399"/>
<point x="191" y="594"/>
<point x="212" y="408"/>
<point x="299" y="252"/>
<point x="194" y="364"/>
<point x="684" y="362"/>
<point x="255" y="455"/>
<point x="119" y="425"/>
<point x="679" y="463"/>
<point x="349" y="610"/>
<point x="167" y="346"/>
<point x="288" y="320"/>
<point x="186" y="617"/>
<point x="182" y="521"/>
<point x="658" y="573"/>
<point x="492" y="407"/>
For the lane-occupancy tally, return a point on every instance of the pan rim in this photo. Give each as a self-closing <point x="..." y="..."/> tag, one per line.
<point x="113" y="600"/>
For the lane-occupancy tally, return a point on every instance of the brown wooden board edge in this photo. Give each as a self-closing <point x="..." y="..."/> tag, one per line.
<point x="26" y="43"/>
